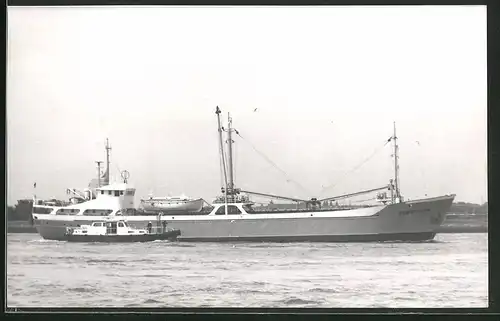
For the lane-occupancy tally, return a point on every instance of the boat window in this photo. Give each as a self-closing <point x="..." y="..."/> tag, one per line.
<point x="41" y="210"/>
<point x="117" y="193"/>
<point x="120" y="224"/>
<point x="231" y="209"/>
<point x="67" y="211"/>
<point x="102" y="192"/>
<point x="92" y="212"/>
<point x="97" y="224"/>
<point x="121" y="192"/>
<point x="110" y="193"/>
<point x="130" y="192"/>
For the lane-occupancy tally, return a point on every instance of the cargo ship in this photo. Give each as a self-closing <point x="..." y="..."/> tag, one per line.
<point x="232" y="216"/>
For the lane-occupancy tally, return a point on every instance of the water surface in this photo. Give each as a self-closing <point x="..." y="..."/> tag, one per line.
<point x="451" y="271"/>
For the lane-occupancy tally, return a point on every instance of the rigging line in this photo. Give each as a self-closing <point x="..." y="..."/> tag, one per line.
<point x="357" y="167"/>
<point x="118" y="168"/>
<point x="234" y="164"/>
<point x="274" y="165"/>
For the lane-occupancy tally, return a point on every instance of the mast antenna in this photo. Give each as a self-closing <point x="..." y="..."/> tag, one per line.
<point x="106" y="177"/>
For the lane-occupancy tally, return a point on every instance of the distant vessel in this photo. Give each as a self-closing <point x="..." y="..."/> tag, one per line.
<point x="172" y="205"/>
<point x="231" y="217"/>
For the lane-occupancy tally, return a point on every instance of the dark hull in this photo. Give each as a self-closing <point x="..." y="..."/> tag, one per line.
<point x="408" y="237"/>
<point x="170" y="236"/>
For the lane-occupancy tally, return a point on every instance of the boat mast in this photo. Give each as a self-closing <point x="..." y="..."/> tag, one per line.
<point x="106" y="177"/>
<point x="217" y="112"/>
<point x="396" y="166"/>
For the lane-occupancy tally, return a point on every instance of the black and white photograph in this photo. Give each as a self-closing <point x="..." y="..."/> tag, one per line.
<point x="246" y="157"/>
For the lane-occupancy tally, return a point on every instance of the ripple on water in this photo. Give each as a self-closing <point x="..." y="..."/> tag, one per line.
<point x="299" y="301"/>
<point x="151" y="301"/>
<point x="324" y="290"/>
<point x="82" y="290"/>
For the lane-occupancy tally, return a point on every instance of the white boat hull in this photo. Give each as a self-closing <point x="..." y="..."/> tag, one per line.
<point x="411" y="221"/>
<point x="166" y="206"/>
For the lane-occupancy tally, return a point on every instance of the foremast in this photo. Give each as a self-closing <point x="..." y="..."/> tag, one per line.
<point x="229" y="191"/>
<point x="396" y="195"/>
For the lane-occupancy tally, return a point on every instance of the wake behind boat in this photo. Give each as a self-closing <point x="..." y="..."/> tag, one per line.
<point x="231" y="217"/>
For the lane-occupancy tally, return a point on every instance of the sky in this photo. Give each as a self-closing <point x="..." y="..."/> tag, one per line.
<point x="327" y="82"/>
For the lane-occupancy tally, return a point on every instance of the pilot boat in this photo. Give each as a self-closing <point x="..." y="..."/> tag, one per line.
<point x="117" y="230"/>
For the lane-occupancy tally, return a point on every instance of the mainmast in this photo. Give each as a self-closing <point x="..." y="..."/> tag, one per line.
<point x="396" y="166"/>
<point x="217" y="112"/>
<point x="106" y="176"/>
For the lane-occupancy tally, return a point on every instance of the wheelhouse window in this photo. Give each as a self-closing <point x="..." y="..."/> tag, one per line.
<point x="120" y="224"/>
<point x="130" y="192"/>
<point x="97" y="224"/>
<point x="231" y="209"/>
<point x="102" y="192"/>
<point x="117" y="193"/>
<point x="110" y="192"/>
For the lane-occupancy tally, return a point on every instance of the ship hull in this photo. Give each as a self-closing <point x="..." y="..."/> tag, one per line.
<point x="403" y="237"/>
<point x="167" y="236"/>
<point x="410" y="221"/>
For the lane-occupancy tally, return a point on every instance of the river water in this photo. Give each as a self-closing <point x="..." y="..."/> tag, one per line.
<point x="451" y="271"/>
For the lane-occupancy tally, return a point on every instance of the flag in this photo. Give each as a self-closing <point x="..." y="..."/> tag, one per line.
<point x="34" y="185"/>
